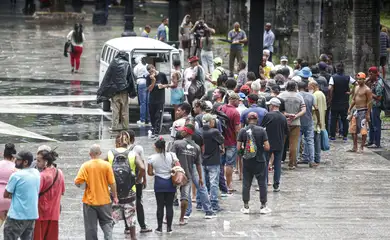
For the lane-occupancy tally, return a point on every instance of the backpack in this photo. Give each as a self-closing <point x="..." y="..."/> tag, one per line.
<point x="385" y="105"/>
<point x="250" y="147"/>
<point x="124" y="176"/>
<point x="222" y="71"/>
<point x="222" y="117"/>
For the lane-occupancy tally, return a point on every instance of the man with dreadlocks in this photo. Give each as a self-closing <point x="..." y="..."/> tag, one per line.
<point x="129" y="170"/>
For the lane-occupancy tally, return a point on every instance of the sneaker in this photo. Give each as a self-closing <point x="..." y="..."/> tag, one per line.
<point x="276" y="188"/>
<point x="145" y="230"/>
<point x="158" y="230"/>
<point x="186" y="217"/>
<point x="139" y="122"/>
<point x="265" y="210"/>
<point x="226" y="194"/>
<point x="154" y="137"/>
<point x="210" y="215"/>
<point x="169" y="230"/>
<point x="199" y="208"/>
<point x="217" y="209"/>
<point x="291" y="168"/>
<point x="176" y="203"/>
<point x="245" y="210"/>
<point x="332" y="138"/>
<point x="345" y="138"/>
<point x="72" y="71"/>
<point x="313" y="165"/>
<point x="76" y="71"/>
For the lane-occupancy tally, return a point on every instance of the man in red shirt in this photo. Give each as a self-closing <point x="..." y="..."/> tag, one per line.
<point x="230" y="133"/>
<point x="51" y="190"/>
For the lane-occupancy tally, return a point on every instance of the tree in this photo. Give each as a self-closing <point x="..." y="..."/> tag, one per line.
<point x="309" y="30"/>
<point x="335" y="29"/>
<point x="283" y="26"/>
<point x="366" y="24"/>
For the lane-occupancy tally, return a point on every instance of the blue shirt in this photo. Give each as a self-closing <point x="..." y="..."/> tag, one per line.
<point x="307" y="118"/>
<point x="269" y="39"/>
<point x="162" y="32"/>
<point x="144" y="34"/>
<point x="254" y="108"/>
<point x="24" y="186"/>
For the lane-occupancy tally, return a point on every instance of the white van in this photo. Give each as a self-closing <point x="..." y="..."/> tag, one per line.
<point x="157" y="53"/>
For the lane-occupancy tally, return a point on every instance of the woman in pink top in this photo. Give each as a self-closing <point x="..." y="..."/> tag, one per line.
<point x="7" y="167"/>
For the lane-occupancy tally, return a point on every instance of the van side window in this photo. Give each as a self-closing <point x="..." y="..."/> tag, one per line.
<point x="104" y="53"/>
<point x="109" y="55"/>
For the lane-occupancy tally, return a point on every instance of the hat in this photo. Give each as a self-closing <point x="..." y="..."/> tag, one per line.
<point x="274" y="101"/>
<point x="322" y="65"/>
<point x="361" y="75"/>
<point x="208" y="117"/>
<point x="24" y="155"/>
<point x="209" y="106"/>
<point x="193" y="59"/>
<point x="234" y="96"/>
<point x="218" y="61"/>
<point x="43" y="148"/>
<point x="373" y="69"/>
<point x="252" y="115"/>
<point x="188" y="128"/>
<point x="245" y="88"/>
<point x="283" y="58"/>
<point x="253" y="98"/>
<point x="242" y="96"/>
<point x="305" y="72"/>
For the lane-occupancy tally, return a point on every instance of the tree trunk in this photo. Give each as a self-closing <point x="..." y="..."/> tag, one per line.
<point x="365" y="47"/>
<point x="309" y="30"/>
<point x="283" y="27"/>
<point x="58" y="6"/>
<point x="335" y="29"/>
<point x="238" y="13"/>
<point x="270" y="11"/>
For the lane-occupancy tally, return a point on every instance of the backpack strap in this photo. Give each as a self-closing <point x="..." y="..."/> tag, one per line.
<point x="48" y="189"/>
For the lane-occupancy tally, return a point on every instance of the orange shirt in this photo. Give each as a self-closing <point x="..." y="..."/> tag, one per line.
<point x="98" y="175"/>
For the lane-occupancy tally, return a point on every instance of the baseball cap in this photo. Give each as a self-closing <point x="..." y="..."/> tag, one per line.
<point x="208" y="117"/>
<point x="43" y="148"/>
<point x="252" y="115"/>
<point x="361" y="75"/>
<point x="274" y="101"/>
<point x="373" y="69"/>
<point x="218" y="60"/>
<point x="234" y="96"/>
<point x="283" y="58"/>
<point x="322" y="66"/>
<point x="193" y="59"/>
<point x="24" y="155"/>
<point x="188" y="128"/>
<point x="242" y="96"/>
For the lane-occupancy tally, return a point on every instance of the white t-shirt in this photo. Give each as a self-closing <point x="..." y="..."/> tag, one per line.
<point x="280" y="66"/>
<point x="70" y="38"/>
<point x="189" y="74"/>
<point x="162" y="164"/>
<point x="351" y="80"/>
<point x="140" y="73"/>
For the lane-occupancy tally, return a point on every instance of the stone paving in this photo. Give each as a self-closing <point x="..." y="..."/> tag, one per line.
<point x="345" y="198"/>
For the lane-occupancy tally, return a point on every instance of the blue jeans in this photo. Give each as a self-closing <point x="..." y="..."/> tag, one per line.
<point x="317" y="147"/>
<point x="202" y="196"/>
<point x="212" y="177"/>
<point x="375" y="126"/>
<point x="230" y="156"/>
<point x="308" y="133"/>
<point x="143" y="102"/>
<point x="277" y="165"/>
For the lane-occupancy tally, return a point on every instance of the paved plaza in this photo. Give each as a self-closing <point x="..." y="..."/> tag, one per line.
<point x="346" y="197"/>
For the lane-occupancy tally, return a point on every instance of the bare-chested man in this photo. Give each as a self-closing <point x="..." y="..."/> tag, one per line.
<point x="362" y="97"/>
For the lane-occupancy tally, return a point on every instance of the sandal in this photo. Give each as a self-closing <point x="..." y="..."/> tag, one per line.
<point x="352" y="150"/>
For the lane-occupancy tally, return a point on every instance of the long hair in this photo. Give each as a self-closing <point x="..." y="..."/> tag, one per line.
<point x="207" y="35"/>
<point x="78" y="33"/>
<point x="123" y="139"/>
<point x="49" y="156"/>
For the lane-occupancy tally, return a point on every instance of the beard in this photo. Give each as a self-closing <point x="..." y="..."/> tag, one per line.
<point x="19" y="166"/>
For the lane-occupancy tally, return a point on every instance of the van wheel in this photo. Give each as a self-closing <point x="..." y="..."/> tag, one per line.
<point x="106" y="106"/>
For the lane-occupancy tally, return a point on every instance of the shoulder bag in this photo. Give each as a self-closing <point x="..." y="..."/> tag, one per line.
<point x="48" y="189"/>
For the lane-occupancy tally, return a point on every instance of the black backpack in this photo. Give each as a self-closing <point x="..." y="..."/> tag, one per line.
<point x="222" y="117"/>
<point x="124" y="176"/>
<point x="385" y="106"/>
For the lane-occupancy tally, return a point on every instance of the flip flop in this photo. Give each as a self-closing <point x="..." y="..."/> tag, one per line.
<point x="352" y="150"/>
<point x="183" y="223"/>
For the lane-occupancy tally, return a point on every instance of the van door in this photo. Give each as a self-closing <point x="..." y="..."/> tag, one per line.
<point x="103" y="63"/>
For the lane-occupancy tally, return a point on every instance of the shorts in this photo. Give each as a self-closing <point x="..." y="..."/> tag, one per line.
<point x="125" y="212"/>
<point x="383" y="61"/>
<point x="177" y="96"/>
<point x="13" y="229"/>
<point x="358" y="122"/>
<point x="185" y="191"/>
<point x="230" y="156"/>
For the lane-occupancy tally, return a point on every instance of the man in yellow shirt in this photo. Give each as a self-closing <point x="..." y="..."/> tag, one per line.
<point x="97" y="175"/>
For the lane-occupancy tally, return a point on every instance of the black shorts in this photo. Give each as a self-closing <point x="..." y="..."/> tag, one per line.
<point x="383" y="61"/>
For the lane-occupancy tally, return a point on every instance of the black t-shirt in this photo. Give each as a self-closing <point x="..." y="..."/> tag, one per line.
<point x="188" y="153"/>
<point x="281" y="107"/>
<point x="260" y="136"/>
<point x="197" y="138"/>
<point x="157" y="95"/>
<point x="275" y="124"/>
<point x="212" y="140"/>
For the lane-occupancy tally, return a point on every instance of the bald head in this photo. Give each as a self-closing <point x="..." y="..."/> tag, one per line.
<point x="95" y="151"/>
<point x="268" y="26"/>
<point x="236" y="26"/>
